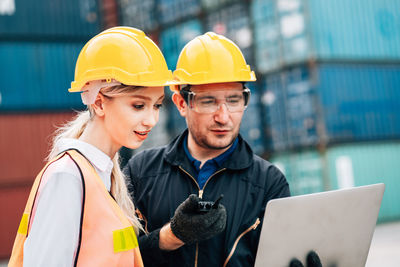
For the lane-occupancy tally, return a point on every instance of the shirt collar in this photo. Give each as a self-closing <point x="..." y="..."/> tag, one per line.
<point x="217" y="160"/>
<point x="221" y="158"/>
<point x="97" y="157"/>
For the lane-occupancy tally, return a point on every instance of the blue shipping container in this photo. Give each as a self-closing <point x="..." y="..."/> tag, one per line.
<point x="173" y="39"/>
<point x="273" y="98"/>
<point x="288" y="32"/>
<point x="139" y="14"/>
<point x="251" y="127"/>
<point x="170" y="11"/>
<point x="360" y="101"/>
<point x="214" y="4"/>
<point x="36" y="76"/>
<point x="332" y="103"/>
<point x="234" y="23"/>
<point x="48" y="18"/>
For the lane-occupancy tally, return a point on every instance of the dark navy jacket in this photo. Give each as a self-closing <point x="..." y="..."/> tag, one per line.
<point x="162" y="178"/>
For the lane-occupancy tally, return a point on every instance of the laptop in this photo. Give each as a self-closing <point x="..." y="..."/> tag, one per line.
<point x="338" y="225"/>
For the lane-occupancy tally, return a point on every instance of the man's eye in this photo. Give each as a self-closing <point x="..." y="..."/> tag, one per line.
<point x="157" y="106"/>
<point x="206" y="101"/>
<point x="234" y="100"/>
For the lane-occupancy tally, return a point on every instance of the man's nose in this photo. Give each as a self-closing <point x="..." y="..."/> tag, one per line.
<point x="221" y="115"/>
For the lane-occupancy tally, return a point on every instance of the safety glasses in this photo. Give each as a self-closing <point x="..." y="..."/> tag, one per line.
<point x="211" y="101"/>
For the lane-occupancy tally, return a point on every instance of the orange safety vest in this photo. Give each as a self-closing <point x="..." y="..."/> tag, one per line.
<point x="107" y="237"/>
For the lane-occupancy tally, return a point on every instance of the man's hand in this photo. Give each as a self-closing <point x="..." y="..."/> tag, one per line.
<point x="167" y="239"/>
<point x="191" y="226"/>
<point x="312" y="261"/>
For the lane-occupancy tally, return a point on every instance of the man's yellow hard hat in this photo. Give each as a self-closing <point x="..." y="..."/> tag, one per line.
<point x="122" y="54"/>
<point x="211" y="58"/>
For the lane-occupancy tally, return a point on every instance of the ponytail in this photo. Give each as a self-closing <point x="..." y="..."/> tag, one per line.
<point x="74" y="129"/>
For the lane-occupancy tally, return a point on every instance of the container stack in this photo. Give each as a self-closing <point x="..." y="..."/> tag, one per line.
<point x="39" y="44"/>
<point x="177" y="23"/>
<point x="326" y="102"/>
<point x="233" y="21"/>
<point x="171" y="12"/>
<point x="330" y="79"/>
<point x="252" y="128"/>
<point x="138" y="13"/>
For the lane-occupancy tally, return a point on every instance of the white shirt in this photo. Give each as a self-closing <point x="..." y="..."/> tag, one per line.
<point x="54" y="233"/>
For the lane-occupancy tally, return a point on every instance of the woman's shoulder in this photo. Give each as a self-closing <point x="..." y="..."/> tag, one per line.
<point x="63" y="165"/>
<point x="62" y="171"/>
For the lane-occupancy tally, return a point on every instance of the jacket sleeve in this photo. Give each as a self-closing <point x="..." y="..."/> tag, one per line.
<point x="278" y="187"/>
<point x="151" y="253"/>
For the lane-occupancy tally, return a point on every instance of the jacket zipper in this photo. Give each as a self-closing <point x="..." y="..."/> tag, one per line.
<point x="194" y="180"/>
<point x="202" y="190"/>
<point x="197" y="254"/>
<point x="200" y="196"/>
<point x="253" y="227"/>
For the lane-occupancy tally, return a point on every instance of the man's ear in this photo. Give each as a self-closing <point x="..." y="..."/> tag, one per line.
<point x="98" y="105"/>
<point x="180" y="104"/>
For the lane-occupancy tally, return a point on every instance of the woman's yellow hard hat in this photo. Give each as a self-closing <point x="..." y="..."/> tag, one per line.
<point x="122" y="54"/>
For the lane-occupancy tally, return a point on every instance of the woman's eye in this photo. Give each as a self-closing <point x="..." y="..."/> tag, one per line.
<point x="139" y="106"/>
<point x="158" y="106"/>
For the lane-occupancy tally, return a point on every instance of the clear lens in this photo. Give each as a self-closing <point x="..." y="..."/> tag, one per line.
<point x="209" y="102"/>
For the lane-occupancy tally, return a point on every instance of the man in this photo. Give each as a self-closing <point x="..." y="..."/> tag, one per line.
<point x="208" y="160"/>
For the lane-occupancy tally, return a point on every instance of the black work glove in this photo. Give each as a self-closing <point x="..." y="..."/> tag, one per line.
<point x="191" y="226"/>
<point x="312" y="261"/>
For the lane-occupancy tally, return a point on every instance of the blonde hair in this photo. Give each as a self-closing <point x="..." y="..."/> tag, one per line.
<point x="75" y="128"/>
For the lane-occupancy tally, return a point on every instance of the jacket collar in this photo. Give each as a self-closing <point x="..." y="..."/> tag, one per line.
<point x="241" y="157"/>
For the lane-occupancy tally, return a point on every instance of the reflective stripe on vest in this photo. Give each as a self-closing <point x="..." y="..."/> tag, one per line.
<point x="107" y="238"/>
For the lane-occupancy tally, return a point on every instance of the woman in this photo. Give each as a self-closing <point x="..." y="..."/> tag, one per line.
<point x="79" y="211"/>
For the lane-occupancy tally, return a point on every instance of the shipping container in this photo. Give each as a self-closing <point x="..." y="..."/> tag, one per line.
<point x="110" y="13"/>
<point x="173" y="39"/>
<point x="38" y="76"/>
<point x="172" y="11"/>
<point x="291" y="106"/>
<point x="25" y="141"/>
<point x="343" y="166"/>
<point x="303" y="170"/>
<point x="12" y="204"/>
<point x="214" y="4"/>
<point x="331" y="103"/>
<point x="362" y="164"/>
<point x="273" y="100"/>
<point x="233" y="22"/>
<point x="292" y="31"/>
<point x="46" y="19"/>
<point x="139" y="14"/>
<point x="251" y="127"/>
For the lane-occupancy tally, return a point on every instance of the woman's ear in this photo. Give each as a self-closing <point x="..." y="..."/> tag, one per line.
<point x="180" y="104"/>
<point x="98" y="105"/>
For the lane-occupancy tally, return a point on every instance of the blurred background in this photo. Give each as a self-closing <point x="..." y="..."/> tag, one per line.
<point x="325" y="108"/>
